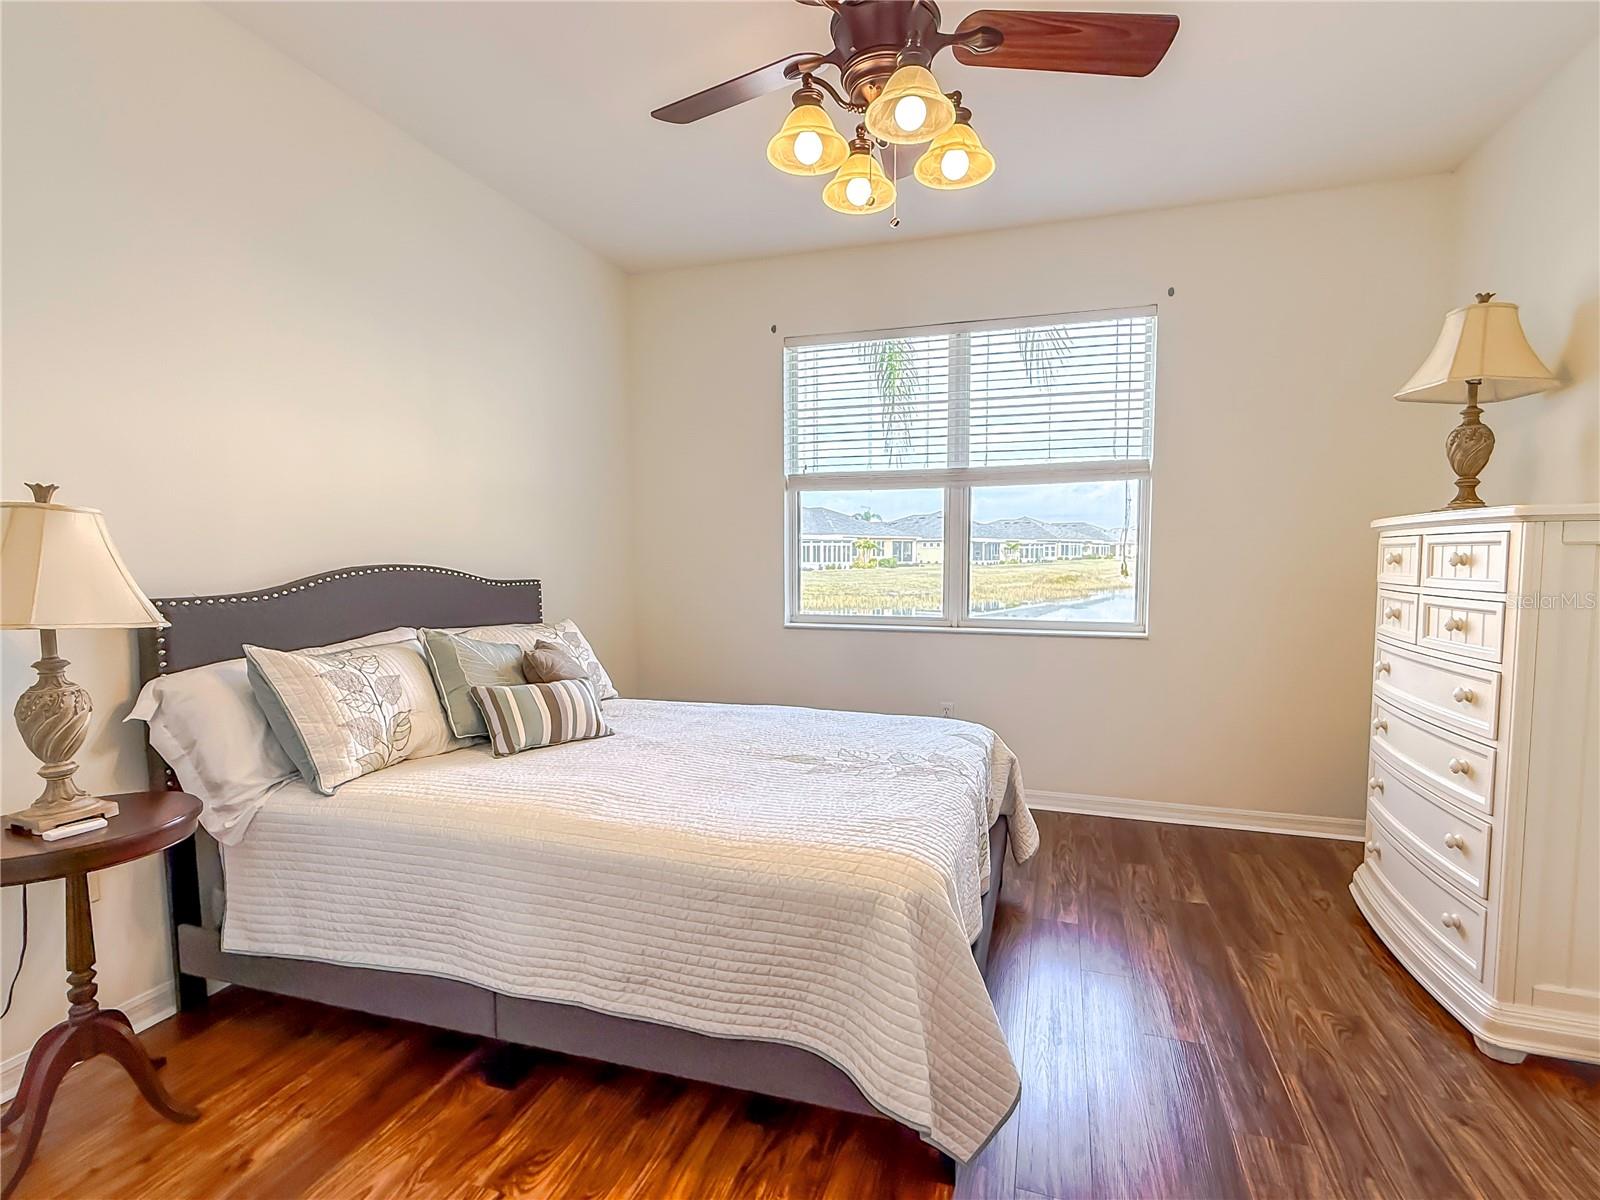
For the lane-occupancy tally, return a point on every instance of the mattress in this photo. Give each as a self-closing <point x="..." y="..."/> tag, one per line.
<point x="791" y="875"/>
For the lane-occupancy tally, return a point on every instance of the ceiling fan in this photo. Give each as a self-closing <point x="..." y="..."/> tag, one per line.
<point x="883" y="51"/>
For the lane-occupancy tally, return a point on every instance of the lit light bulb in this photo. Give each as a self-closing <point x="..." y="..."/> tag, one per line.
<point x="859" y="191"/>
<point x="910" y="112"/>
<point x="808" y="147"/>
<point x="953" y="165"/>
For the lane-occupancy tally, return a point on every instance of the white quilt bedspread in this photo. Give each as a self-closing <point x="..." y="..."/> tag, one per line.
<point x="792" y="875"/>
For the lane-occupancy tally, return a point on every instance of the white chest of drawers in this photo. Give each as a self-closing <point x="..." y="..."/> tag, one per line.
<point x="1482" y="867"/>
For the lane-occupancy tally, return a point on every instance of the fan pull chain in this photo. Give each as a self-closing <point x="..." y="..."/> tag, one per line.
<point x="894" y="209"/>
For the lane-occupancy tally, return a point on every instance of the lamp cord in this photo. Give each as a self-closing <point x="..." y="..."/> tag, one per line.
<point x="11" y="988"/>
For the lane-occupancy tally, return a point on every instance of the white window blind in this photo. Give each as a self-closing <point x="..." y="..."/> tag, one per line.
<point x="1063" y="391"/>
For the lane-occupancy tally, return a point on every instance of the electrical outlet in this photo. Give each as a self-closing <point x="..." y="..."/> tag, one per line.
<point x="947" y="708"/>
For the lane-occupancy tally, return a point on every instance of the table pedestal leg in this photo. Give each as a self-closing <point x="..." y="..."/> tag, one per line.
<point x="88" y="1031"/>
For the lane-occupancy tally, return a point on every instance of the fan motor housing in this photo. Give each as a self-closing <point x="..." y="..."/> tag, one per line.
<point x="870" y="36"/>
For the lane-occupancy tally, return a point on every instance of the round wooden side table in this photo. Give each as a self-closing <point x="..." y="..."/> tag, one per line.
<point x="146" y="822"/>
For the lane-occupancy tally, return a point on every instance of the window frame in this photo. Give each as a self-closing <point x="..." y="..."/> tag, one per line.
<point x="956" y="483"/>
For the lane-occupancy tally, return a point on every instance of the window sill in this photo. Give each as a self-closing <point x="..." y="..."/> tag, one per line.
<point x="1003" y="630"/>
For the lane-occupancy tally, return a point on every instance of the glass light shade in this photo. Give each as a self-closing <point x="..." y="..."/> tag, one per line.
<point x="860" y="168"/>
<point x="803" y="120"/>
<point x="907" y="83"/>
<point x="933" y="169"/>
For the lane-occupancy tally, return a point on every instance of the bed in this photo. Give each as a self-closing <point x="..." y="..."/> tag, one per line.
<point x="788" y="901"/>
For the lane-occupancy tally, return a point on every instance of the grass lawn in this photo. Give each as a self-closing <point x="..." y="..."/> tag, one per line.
<point x="916" y="590"/>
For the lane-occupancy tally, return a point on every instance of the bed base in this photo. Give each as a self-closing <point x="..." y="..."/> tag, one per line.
<point x="771" y="1068"/>
<point x="358" y="600"/>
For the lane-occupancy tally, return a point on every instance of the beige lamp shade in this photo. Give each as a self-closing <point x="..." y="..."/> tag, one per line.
<point x="1481" y="343"/>
<point x="60" y="570"/>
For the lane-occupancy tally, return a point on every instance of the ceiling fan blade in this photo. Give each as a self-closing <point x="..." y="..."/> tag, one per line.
<point x="1089" y="43"/>
<point x="736" y="91"/>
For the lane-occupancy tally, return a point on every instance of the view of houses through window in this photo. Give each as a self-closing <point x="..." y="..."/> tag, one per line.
<point x="1024" y="565"/>
<point x="972" y="475"/>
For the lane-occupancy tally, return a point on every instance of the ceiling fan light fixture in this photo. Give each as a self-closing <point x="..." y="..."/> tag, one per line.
<point x="861" y="187"/>
<point x="807" y="144"/>
<point x="956" y="159"/>
<point x="911" y="108"/>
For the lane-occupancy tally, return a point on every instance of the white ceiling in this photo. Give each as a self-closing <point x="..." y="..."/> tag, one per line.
<point x="550" y="103"/>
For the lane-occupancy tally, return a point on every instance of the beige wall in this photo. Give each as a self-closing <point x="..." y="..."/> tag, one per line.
<point x="1529" y="229"/>
<point x="269" y="334"/>
<point x="1293" y="321"/>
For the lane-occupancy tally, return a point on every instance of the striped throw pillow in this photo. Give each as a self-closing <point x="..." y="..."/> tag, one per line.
<point x="523" y="716"/>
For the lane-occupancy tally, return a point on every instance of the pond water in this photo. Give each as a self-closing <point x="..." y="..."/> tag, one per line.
<point x="1115" y="604"/>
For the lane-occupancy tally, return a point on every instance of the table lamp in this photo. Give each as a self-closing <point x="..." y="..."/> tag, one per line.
<point x="1482" y="355"/>
<point x="59" y="570"/>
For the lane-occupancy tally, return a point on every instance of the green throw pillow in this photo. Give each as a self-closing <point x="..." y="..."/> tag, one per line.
<point x="460" y="664"/>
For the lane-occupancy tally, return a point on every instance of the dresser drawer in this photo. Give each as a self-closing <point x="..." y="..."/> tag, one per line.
<point x="1462" y="697"/>
<point x="1397" y="614"/>
<point x="1470" y="561"/>
<point x="1471" y="628"/>
<point x="1456" y="767"/>
<point x="1400" y="560"/>
<point x="1455" y="847"/>
<point x="1453" y="923"/>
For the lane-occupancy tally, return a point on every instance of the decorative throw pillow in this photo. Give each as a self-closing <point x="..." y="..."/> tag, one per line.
<point x="208" y="727"/>
<point x="347" y="713"/>
<point x="526" y="715"/>
<point x="458" y="663"/>
<point x="565" y="632"/>
<point x="551" y="661"/>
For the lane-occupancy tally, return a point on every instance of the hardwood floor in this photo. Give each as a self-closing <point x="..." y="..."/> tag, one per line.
<point x="1195" y="1013"/>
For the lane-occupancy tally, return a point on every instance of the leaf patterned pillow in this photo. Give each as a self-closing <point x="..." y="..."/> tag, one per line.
<point x="566" y="632"/>
<point x="342" y="714"/>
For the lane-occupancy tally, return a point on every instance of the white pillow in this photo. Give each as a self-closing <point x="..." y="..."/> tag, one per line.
<point x="567" y="633"/>
<point x="206" y="725"/>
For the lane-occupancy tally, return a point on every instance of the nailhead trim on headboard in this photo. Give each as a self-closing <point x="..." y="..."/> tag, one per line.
<point x="307" y="584"/>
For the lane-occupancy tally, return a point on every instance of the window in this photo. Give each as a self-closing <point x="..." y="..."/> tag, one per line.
<point x="982" y="476"/>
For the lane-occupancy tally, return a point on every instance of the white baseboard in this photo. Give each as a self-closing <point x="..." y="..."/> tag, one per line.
<point x="1345" y="829"/>
<point x="144" y="1010"/>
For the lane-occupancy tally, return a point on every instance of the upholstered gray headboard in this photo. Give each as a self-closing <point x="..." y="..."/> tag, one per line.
<point x="330" y="607"/>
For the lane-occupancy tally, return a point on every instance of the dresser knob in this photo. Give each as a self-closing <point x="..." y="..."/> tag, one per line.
<point x="1380" y="726"/>
<point x="1455" y="625"/>
<point x="1374" y="784"/>
<point x="1461" y="558"/>
<point x="1454" y="841"/>
<point x="1451" y="921"/>
<point x="1392" y="614"/>
<point x="1394" y="558"/>
<point x="1464" y="696"/>
<point x="1373" y="849"/>
<point x="1381" y="667"/>
<point x="1460" y="766"/>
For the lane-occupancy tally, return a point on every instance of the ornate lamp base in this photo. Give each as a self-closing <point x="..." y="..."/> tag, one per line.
<point x="1468" y="448"/>
<point x="53" y="717"/>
